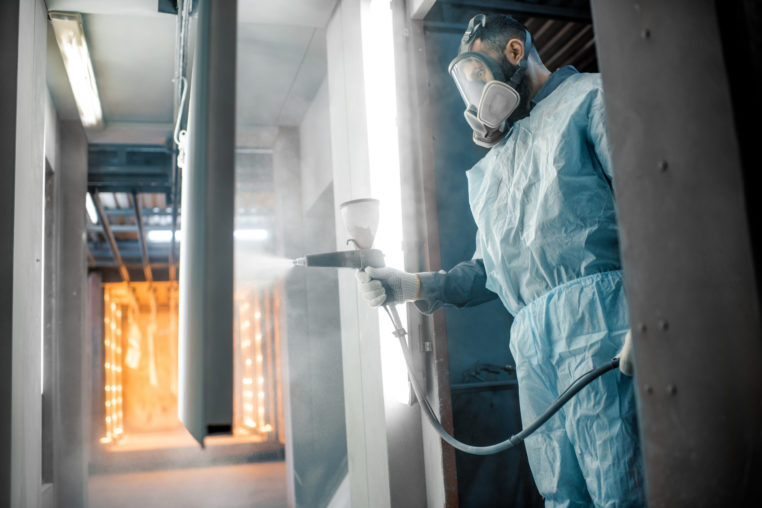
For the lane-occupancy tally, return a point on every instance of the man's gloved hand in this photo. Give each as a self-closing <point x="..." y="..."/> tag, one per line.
<point x="625" y="356"/>
<point x="380" y="286"/>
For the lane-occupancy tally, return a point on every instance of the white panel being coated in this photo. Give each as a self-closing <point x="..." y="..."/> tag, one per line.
<point x="361" y="355"/>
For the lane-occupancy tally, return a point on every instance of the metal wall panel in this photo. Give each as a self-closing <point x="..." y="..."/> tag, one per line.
<point x="205" y="402"/>
<point x="686" y="250"/>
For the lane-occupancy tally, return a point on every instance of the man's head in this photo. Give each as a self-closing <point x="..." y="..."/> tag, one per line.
<point x="500" y="95"/>
<point x="492" y="34"/>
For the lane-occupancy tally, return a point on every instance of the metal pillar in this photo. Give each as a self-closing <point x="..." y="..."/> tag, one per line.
<point x="9" y="40"/>
<point x="686" y="250"/>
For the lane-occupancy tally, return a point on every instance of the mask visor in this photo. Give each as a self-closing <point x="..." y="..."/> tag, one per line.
<point x="471" y="72"/>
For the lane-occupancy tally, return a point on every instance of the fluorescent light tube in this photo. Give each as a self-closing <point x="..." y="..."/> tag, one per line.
<point x="251" y="234"/>
<point x="162" y="235"/>
<point x="76" y="58"/>
<point x="90" y="207"/>
<point x="384" y="168"/>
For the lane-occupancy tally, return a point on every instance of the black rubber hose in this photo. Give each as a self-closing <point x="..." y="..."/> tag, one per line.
<point x="512" y="441"/>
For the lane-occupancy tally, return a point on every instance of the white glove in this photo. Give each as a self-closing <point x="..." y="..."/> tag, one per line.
<point x="625" y="355"/>
<point x="380" y="286"/>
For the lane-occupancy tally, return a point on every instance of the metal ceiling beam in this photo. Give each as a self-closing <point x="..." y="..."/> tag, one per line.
<point x="126" y="228"/>
<point x="142" y="238"/>
<point x="560" y="56"/>
<point x="557" y="39"/>
<point x="127" y="168"/>
<point x="147" y="212"/>
<point x="110" y="236"/>
<point x="124" y="183"/>
<point x="578" y="12"/>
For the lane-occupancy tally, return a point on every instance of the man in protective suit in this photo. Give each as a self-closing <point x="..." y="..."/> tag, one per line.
<point x="547" y="245"/>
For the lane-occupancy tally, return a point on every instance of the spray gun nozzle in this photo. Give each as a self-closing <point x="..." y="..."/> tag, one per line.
<point x="300" y="261"/>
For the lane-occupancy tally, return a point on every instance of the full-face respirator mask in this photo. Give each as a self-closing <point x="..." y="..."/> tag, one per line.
<point x="490" y="96"/>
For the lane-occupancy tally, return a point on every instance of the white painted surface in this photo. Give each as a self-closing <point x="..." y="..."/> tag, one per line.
<point x="143" y="7"/>
<point x="314" y="13"/>
<point x="341" y="499"/>
<point x="315" y="148"/>
<point x="51" y="131"/>
<point x="280" y="67"/>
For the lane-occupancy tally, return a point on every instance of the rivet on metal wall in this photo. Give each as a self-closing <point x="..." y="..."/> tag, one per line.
<point x="649" y="389"/>
<point x="662" y="165"/>
<point x="671" y="389"/>
<point x="663" y="325"/>
<point x="642" y="328"/>
<point x="645" y="33"/>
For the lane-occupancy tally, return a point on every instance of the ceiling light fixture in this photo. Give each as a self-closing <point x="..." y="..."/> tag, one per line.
<point x="76" y="58"/>
<point x="384" y="168"/>
<point x="162" y="235"/>
<point x="251" y="234"/>
<point x="90" y="207"/>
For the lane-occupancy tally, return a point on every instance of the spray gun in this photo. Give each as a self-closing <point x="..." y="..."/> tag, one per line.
<point x="361" y="220"/>
<point x="359" y="259"/>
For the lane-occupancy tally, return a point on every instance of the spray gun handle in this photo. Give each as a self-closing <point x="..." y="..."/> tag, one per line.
<point x="370" y="257"/>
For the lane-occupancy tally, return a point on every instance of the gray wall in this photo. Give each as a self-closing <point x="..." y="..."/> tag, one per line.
<point x="316" y="443"/>
<point x="28" y="137"/>
<point x="317" y="390"/>
<point x="71" y="422"/>
<point x="289" y="243"/>
<point x="315" y="151"/>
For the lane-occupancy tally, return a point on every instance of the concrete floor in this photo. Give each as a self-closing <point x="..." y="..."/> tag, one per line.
<point x="260" y="485"/>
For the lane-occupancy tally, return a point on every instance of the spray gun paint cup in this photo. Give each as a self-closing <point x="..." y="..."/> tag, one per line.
<point x="360" y="217"/>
